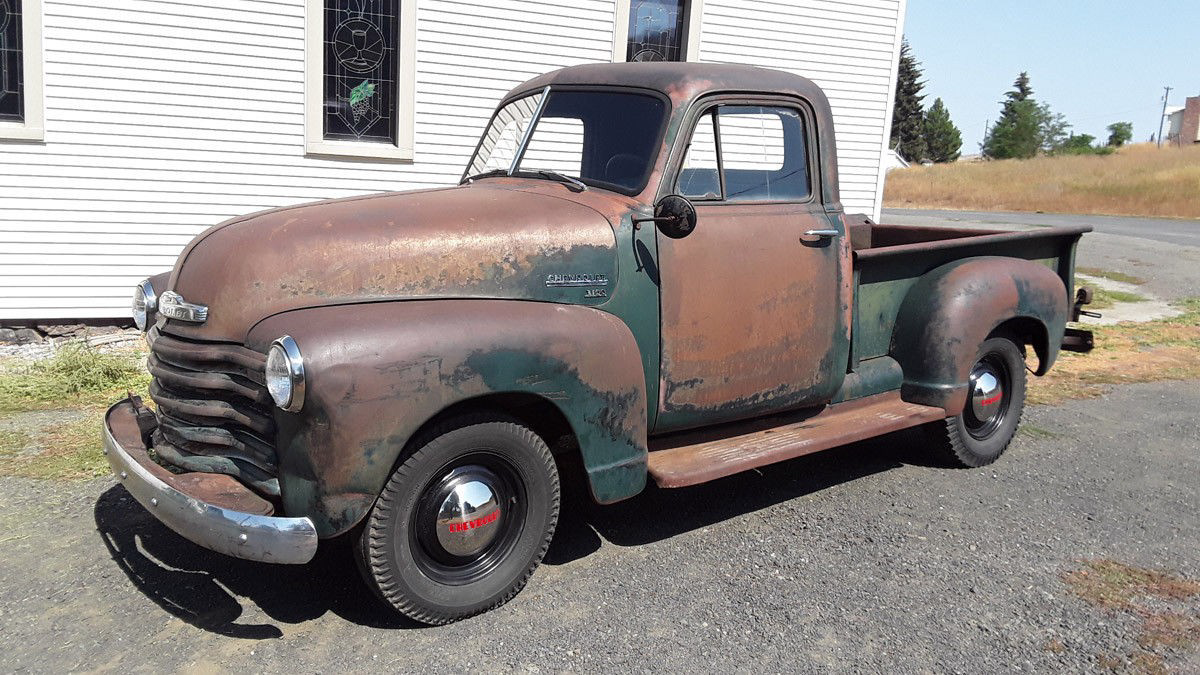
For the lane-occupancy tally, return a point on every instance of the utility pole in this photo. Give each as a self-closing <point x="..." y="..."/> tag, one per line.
<point x="1164" y="115"/>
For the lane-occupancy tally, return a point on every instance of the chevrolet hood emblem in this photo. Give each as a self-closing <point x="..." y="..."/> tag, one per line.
<point x="173" y="306"/>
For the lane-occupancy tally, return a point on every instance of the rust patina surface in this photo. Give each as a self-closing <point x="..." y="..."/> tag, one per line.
<point x="413" y="306"/>
<point x="492" y="240"/>
<point x="753" y="316"/>
<point x="951" y="310"/>
<point x="379" y="373"/>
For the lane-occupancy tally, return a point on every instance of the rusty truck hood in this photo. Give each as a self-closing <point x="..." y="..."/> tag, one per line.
<point x="492" y="239"/>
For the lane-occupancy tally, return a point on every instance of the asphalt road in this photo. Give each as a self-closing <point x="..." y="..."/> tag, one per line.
<point x="1168" y="230"/>
<point x="859" y="559"/>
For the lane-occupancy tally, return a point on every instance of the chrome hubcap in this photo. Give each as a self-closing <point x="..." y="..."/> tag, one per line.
<point x="469" y="518"/>
<point x="987" y="393"/>
<point x="467" y="521"/>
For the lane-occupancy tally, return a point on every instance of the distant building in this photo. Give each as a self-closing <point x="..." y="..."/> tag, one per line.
<point x="1183" y="124"/>
<point x="893" y="160"/>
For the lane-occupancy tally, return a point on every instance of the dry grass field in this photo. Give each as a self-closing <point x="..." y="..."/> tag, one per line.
<point x="1139" y="180"/>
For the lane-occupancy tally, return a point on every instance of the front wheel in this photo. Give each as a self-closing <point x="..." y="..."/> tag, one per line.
<point x="995" y="401"/>
<point x="463" y="521"/>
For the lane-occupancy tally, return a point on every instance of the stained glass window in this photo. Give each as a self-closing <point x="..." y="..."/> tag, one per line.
<point x="12" y="86"/>
<point x="360" y="70"/>
<point x="656" y="30"/>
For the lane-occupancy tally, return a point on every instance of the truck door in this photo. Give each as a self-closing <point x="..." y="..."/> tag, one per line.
<point x="755" y="301"/>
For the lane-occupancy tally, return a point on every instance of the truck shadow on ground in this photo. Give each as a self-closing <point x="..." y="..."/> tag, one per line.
<point x="657" y="514"/>
<point x="205" y="589"/>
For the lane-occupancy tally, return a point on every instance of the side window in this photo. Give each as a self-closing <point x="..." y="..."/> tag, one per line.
<point x="499" y="146"/>
<point x="763" y="154"/>
<point x="755" y="154"/>
<point x="700" y="178"/>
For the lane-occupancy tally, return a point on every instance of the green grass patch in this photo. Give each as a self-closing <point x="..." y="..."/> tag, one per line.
<point x="1110" y="275"/>
<point x="76" y="375"/>
<point x="71" y="451"/>
<point x="12" y="441"/>
<point x="1105" y="298"/>
<point x="1150" y="351"/>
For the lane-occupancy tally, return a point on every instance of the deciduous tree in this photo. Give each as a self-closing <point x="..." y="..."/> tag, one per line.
<point x="1079" y="144"/>
<point x="1119" y="133"/>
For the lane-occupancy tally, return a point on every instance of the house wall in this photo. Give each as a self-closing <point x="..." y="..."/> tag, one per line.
<point x="164" y="117"/>
<point x="1174" y="123"/>
<point x="1189" y="126"/>
<point x="849" y="48"/>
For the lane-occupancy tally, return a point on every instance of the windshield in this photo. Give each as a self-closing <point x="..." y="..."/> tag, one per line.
<point x="604" y="138"/>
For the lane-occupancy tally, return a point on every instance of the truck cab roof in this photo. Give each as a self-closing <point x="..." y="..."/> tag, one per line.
<point x="684" y="82"/>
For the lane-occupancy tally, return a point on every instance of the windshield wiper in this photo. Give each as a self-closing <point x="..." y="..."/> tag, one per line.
<point x="487" y="174"/>
<point x="579" y="185"/>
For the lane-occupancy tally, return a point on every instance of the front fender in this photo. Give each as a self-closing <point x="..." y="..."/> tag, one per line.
<point x="952" y="309"/>
<point x="375" y="373"/>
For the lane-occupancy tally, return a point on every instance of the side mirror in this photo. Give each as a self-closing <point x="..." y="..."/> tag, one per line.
<point x="675" y="216"/>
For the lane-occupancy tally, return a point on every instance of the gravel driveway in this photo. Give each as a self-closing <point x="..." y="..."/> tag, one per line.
<point x="858" y="559"/>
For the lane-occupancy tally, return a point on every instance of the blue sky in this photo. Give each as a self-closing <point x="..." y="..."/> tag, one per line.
<point x="1095" y="61"/>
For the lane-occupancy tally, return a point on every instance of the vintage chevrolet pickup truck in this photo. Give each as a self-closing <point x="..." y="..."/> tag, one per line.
<point x="646" y="268"/>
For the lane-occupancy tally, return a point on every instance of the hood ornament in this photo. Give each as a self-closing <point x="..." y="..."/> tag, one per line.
<point x="173" y="306"/>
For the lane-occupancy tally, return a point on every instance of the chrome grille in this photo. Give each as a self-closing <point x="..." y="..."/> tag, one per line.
<point x="214" y="412"/>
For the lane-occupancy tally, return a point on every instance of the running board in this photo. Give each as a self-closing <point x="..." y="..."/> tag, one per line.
<point x="695" y="457"/>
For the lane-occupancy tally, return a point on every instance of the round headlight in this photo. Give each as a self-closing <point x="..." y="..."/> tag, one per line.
<point x="145" y="303"/>
<point x="285" y="374"/>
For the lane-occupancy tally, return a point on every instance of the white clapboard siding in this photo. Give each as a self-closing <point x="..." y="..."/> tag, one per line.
<point x="848" y="47"/>
<point x="164" y="117"/>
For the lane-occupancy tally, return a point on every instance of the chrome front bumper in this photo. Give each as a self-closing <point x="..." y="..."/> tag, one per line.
<point x="220" y="520"/>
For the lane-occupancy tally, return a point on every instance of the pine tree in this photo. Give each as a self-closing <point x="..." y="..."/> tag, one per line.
<point x="908" y="117"/>
<point x="1021" y="89"/>
<point x="1054" y="129"/>
<point x="1019" y="131"/>
<point x="942" y="139"/>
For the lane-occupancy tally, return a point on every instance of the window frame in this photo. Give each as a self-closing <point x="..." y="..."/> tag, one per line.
<point x="716" y="129"/>
<point x="33" y="127"/>
<point x="683" y="142"/>
<point x="693" y="10"/>
<point x="315" y="143"/>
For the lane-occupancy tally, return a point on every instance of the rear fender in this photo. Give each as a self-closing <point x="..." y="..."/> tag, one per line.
<point x="376" y="373"/>
<point x="952" y="309"/>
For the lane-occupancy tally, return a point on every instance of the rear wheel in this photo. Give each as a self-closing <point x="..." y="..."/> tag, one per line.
<point x="463" y="521"/>
<point x="995" y="401"/>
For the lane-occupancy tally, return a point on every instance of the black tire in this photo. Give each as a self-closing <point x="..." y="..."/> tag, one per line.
<point x="971" y="440"/>
<point x="415" y="567"/>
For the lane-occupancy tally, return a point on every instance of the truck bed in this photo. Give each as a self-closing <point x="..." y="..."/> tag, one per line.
<point x="888" y="260"/>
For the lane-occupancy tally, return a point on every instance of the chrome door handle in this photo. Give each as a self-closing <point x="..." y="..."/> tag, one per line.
<point x="821" y="233"/>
